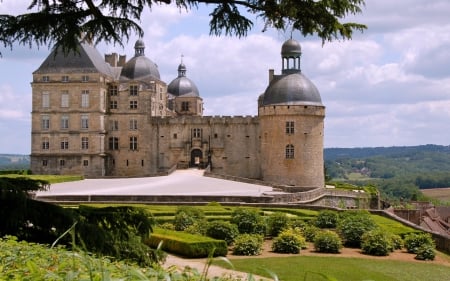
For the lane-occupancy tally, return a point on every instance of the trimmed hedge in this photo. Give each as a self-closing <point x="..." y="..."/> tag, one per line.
<point x="185" y="244"/>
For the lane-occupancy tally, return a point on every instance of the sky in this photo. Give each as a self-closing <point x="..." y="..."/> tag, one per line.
<point x="388" y="86"/>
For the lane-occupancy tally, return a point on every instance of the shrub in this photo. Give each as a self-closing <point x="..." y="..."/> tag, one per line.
<point x="276" y="222"/>
<point x="397" y="241"/>
<point x="222" y="230"/>
<point x="186" y="216"/>
<point x="167" y="225"/>
<point x="327" y="241"/>
<point x="248" y="244"/>
<point x="248" y="221"/>
<point x="353" y="225"/>
<point x="309" y="232"/>
<point x="425" y="252"/>
<point x="414" y="241"/>
<point x="377" y="243"/>
<point x="198" y="227"/>
<point x="326" y="219"/>
<point x="289" y="241"/>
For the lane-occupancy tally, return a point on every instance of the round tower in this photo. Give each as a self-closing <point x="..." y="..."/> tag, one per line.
<point x="291" y="117"/>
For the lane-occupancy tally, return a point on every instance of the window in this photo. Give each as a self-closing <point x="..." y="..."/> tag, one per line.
<point x="197" y="133"/>
<point x="84" y="78"/>
<point x="185" y="106"/>
<point x="133" y="143"/>
<point x="133" y="90"/>
<point x="45" y="122"/>
<point x="84" y="121"/>
<point x="114" y="125"/>
<point x="65" y="122"/>
<point x="45" y="79"/>
<point x="113" y="143"/>
<point x="85" y="98"/>
<point x="85" y="163"/>
<point x="113" y="104"/>
<point x="289" y="127"/>
<point x="64" y="143"/>
<point x="62" y="162"/>
<point x="45" y="100"/>
<point x="289" y="151"/>
<point x="133" y="124"/>
<point x="45" y="143"/>
<point x="65" y="99"/>
<point x="65" y="78"/>
<point x="44" y="162"/>
<point x="133" y="104"/>
<point x="84" y="143"/>
<point x="112" y="90"/>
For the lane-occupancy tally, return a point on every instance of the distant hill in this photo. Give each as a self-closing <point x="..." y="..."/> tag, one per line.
<point x="14" y="162"/>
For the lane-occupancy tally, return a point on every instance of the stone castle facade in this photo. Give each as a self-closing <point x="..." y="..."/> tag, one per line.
<point x="106" y="116"/>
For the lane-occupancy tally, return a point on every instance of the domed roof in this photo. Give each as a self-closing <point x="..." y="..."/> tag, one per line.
<point x="291" y="48"/>
<point x="140" y="67"/>
<point x="292" y="89"/>
<point x="182" y="86"/>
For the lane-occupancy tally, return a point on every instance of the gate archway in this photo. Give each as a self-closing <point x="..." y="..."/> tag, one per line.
<point x="196" y="158"/>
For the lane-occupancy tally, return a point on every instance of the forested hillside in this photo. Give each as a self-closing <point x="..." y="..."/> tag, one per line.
<point x="399" y="172"/>
<point x="14" y="162"/>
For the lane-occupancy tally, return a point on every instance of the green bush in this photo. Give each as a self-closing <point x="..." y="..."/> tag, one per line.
<point x="167" y="225"/>
<point x="414" y="241"/>
<point x="327" y="241"/>
<point x="309" y="232"/>
<point x="289" y="241"/>
<point x="186" y="216"/>
<point x="326" y="219"/>
<point x="222" y="230"/>
<point x="353" y="225"/>
<point x="248" y="221"/>
<point x="425" y="252"/>
<point x="276" y="222"/>
<point x="397" y="241"/>
<point x="199" y="227"/>
<point x="248" y="244"/>
<point x="377" y="243"/>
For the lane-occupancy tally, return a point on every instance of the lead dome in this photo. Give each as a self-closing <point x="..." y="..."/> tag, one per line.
<point x="182" y="86"/>
<point x="140" y="67"/>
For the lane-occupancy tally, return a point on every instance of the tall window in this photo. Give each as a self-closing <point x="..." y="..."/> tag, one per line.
<point x="112" y="90"/>
<point x="85" y="78"/>
<point x="62" y="162"/>
<point x="114" y="125"/>
<point x="45" y="100"/>
<point x="113" y="104"/>
<point x="289" y="151"/>
<point x="65" y="99"/>
<point x="289" y="127"/>
<point x="65" y="78"/>
<point x="85" y="98"/>
<point x="84" y="143"/>
<point x="133" y="104"/>
<point x="64" y="122"/>
<point x="84" y="121"/>
<point x="45" y="78"/>
<point x="197" y="133"/>
<point x="133" y="90"/>
<point x="64" y="143"/>
<point x="133" y="143"/>
<point x="45" y="143"/>
<point x="185" y="106"/>
<point x="133" y="124"/>
<point x="113" y="143"/>
<point x="45" y="122"/>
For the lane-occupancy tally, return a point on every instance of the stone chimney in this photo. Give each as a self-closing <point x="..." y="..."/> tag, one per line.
<point x="122" y="60"/>
<point x="111" y="59"/>
<point x="271" y="72"/>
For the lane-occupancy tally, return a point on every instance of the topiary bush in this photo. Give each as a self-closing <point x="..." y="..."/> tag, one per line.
<point x="326" y="219"/>
<point x="377" y="243"/>
<point x="186" y="216"/>
<point x="309" y="232"/>
<point x="222" y="230"/>
<point x="248" y="221"/>
<point x="353" y="225"/>
<point x="397" y="241"/>
<point x="289" y="241"/>
<point x="276" y="222"/>
<point x="426" y="252"/>
<point x="198" y="227"/>
<point x="248" y="244"/>
<point x="327" y="241"/>
<point x="414" y="241"/>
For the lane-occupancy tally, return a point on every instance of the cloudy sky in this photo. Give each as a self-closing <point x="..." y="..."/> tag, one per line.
<point x="389" y="86"/>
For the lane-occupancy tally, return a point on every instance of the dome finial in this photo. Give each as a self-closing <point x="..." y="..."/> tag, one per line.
<point x="181" y="68"/>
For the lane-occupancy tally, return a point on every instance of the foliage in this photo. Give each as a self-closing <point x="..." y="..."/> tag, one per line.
<point x="248" y="244"/>
<point x="425" y="252"/>
<point x="289" y="241"/>
<point x="276" y="222"/>
<point x="309" y="232"/>
<point x="377" y="243"/>
<point x="186" y="216"/>
<point x="199" y="227"/>
<point x="397" y="241"/>
<point x="353" y="225"/>
<point x="63" y="22"/>
<point x="222" y="230"/>
<point x="248" y="220"/>
<point x="327" y="241"/>
<point x="49" y="179"/>
<point x="326" y="219"/>
<point x="414" y="241"/>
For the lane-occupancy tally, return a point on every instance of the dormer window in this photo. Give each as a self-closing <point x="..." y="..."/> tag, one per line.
<point x="65" y="78"/>
<point x="45" y="79"/>
<point x="84" y="78"/>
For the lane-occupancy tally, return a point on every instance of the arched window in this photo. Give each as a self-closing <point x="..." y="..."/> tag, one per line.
<point x="289" y="151"/>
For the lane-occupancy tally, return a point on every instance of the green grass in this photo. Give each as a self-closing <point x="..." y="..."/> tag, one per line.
<point x="393" y="226"/>
<point x="343" y="269"/>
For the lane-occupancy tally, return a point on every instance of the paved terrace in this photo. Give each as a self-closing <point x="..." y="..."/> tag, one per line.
<point x="181" y="182"/>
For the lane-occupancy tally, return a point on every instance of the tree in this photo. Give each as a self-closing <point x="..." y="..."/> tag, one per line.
<point x="64" y="22"/>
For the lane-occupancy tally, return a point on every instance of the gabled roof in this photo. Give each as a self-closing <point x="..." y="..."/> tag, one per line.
<point x="85" y="59"/>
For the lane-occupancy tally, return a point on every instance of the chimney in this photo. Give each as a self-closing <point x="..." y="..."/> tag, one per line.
<point x="122" y="60"/>
<point x="111" y="59"/>
<point x="271" y="72"/>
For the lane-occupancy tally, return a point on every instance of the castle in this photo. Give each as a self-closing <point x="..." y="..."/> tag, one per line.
<point x="109" y="117"/>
